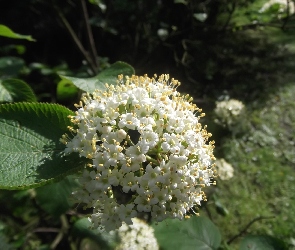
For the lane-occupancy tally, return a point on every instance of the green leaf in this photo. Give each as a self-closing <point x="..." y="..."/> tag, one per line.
<point x="66" y="90"/>
<point x="14" y="90"/>
<point x="31" y="154"/>
<point x="7" y="32"/>
<point x="11" y="66"/>
<point x="262" y="242"/>
<point x="200" y="16"/>
<point x="195" y="233"/>
<point x="109" y="75"/>
<point x="170" y="236"/>
<point x="81" y="229"/>
<point x="55" y="198"/>
<point x="220" y="208"/>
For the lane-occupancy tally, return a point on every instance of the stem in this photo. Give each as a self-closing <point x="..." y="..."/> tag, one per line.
<point x="247" y="227"/>
<point x="288" y="15"/>
<point x="64" y="229"/>
<point x="46" y="230"/>
<point x="76" y="39"/>
<point x="231" y="11"/>
<point x="90" y="34"/>
<point x="151" y="159"/>
<point x="129" y="141"/>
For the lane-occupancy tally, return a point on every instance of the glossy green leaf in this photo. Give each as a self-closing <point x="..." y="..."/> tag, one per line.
<point x="109" y="75"/>
<point x="14" y="90"/>
<point x="31" y="154"/>
<point x="66" y="90"/>
<point x="56" y="198"/>
<point x="11" y="66"/>
<point x="7" y="32"/>
<point x="195" y="233"/>
<point x="262" y="242"/>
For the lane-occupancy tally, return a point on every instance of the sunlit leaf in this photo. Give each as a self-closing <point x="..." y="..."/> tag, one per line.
<point x="7" y="32"/>
<point x="109" y="75"/>
<point x="31" y="154"/>
<point x="262" y="242"/>
<point x="66" y="90"/>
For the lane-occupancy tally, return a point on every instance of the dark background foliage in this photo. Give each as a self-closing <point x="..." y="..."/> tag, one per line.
<point x="208" y="56"/>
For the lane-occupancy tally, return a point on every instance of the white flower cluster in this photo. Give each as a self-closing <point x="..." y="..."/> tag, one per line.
<point x="225" y="170"/>
<point x="228" y="112"/>
<point x="147" y="151"/>
<point x="283" y="6"/>
<point x="139" y="236"/>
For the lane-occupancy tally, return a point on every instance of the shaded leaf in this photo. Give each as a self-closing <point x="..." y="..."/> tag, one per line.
<point x="7" y="32"/>
<point x="109" y="75"/>
<point x="195" y="233"/>
<point x="221" y="209"/>
<point x="169" y="236"/>
<point x="11" y="66"/>
<point x="81" y="229"/>
<point x="262" y="242"/>
<point x="55" y="198"/>
<point x="31" y="153"/>
<point x="14" y="90"/>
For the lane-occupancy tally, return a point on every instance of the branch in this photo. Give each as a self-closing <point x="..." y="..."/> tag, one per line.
<point x="64" y="230"/>
<point x="231" y="11"/>
<point x="255" y="25"/>
<point x="90" y="34"/>
<point x="76" y="39"/>
<point x="288" y="15"/>
<point x="46" y="230"/>
<point x="247" y="227"/>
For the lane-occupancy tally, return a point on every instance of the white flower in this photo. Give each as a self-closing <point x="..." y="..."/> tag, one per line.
<point x="139" y="236"/>
<point x="146" y="149"/>
<point x="283" y="5"/>
<point x="162" y="33"/>
<point x="225" y="170"/>
<point x="129" y="183"/>
<point x="129" y="121"/>
<point x="149" y="138"/>
<point x="122" y="134"/>
<point x="228" y="112"/>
